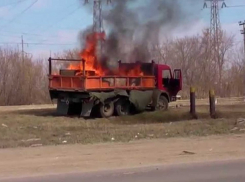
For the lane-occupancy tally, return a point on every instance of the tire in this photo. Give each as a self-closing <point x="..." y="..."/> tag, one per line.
<point x="122" y="107"/>
<point x="106" y="110"/>
<point x="162" y="104"/>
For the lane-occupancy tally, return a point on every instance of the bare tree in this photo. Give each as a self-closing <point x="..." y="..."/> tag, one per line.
<point x="194" y="56"/>
<point x="226" y="43"/>
<point x="26" y="82"/>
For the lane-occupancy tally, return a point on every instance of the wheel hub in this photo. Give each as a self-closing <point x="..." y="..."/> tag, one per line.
<point x="106" y="107"/>
<point x="161" y="105"/>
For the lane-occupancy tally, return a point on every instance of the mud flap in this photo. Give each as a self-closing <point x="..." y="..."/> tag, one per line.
<point x="62" y="107"/>
<point x="155" y="96"/>
<point x="140" y="99"/>
<point x="87" y="108"/>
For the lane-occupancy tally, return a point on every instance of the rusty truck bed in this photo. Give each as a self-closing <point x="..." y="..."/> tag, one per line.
<point x="87" y="83"/>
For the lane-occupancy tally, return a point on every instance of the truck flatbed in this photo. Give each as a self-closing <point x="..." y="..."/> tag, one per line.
<point x="89" y="83"/>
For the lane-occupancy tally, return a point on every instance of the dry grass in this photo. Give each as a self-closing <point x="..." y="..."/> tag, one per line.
<point x="48" y="129"/>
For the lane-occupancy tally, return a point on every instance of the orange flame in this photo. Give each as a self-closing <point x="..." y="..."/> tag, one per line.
<point x="92" y="63"/>
<point x="89" y="55"/>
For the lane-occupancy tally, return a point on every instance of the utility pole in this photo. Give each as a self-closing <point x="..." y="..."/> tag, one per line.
<point x="97" y="17"/>
<point x="215" y="26"/>
<point x="243" y="33"/>
<point x="215" y="36"/>
<point x="23" y="53"/>
<point x="22" y="48"/>
<point x="98" y="25"/>
<point x="98" y="22"/>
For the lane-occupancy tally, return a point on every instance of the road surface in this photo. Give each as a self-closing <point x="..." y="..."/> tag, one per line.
<point x="222" y="171"/>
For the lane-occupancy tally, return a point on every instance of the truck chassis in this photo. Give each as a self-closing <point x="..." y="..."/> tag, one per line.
<point x="105" y="95"/>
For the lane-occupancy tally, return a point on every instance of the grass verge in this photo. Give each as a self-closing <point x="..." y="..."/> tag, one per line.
<point x="43" y="127"/>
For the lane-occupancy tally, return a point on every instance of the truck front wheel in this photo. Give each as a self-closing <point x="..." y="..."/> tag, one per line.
<point x="122" y="107"/>
<point x="162" y="104"/>
<point x="106" y="109"/>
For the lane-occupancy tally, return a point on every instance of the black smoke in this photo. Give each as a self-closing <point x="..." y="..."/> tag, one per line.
<point x="134" y="27"/>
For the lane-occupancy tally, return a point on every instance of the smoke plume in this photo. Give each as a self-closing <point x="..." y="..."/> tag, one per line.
<point x="134" y="27"/>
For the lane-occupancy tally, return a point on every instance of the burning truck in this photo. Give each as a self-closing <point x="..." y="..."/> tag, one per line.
<point x="88" y="87"/>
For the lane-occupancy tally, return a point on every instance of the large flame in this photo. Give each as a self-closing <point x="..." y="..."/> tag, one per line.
<point x="89" y="54"/>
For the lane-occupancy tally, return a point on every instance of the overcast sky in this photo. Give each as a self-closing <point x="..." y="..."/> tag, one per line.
<point x="53" y="25"/>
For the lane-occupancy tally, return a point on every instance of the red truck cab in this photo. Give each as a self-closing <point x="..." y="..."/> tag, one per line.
<point x="168" y="81"/>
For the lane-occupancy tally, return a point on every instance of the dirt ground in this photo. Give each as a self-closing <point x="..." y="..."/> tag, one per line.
<point x="84" y="158"/>
<point x="148" y="139"/>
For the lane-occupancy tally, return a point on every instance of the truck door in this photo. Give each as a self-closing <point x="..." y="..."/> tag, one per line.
<point x="166" y="77"/>
<point x="178" y="79"/>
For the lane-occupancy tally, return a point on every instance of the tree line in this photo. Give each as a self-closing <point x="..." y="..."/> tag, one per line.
<point x="23" y="80"/>
<point x="224" y="72"/>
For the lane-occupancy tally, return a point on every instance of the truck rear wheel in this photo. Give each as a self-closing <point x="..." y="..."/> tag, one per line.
<point x="106" y="110"/>
<point x="162" y="103"/>
<point x="122" y="107"/>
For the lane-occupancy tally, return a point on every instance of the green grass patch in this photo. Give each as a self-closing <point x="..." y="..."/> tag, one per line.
<point x="27" y="128"/>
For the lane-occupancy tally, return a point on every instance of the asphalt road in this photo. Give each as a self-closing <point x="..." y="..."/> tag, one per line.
<point x="225" y="171"/>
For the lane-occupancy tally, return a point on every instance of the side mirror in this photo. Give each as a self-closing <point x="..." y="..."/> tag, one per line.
<point x="177" y="74"/>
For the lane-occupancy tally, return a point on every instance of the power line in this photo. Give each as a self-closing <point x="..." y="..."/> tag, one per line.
<point x="9" y="43"/>
<point x="48" y="27"/>
<point x="62" y="18"/>
<point x="29" y="37"/>
<point x="37" y="43"/>
<point x="236" y="6"/>
<point x="3" y="35"/>
<point x="18" y="34"/>
<point x="17" y="2"/>
<point x="22" y="12"/>
<point x="52" y="25"/>
<point x="31" y="34"/>
<point x="25" y="33"/>
<point x="60" y="21"/>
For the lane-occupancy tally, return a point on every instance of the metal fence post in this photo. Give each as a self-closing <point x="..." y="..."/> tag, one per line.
<point x="193" y="102"/>
<point x="212" y="104"/>
<point x="50" y="66"/>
